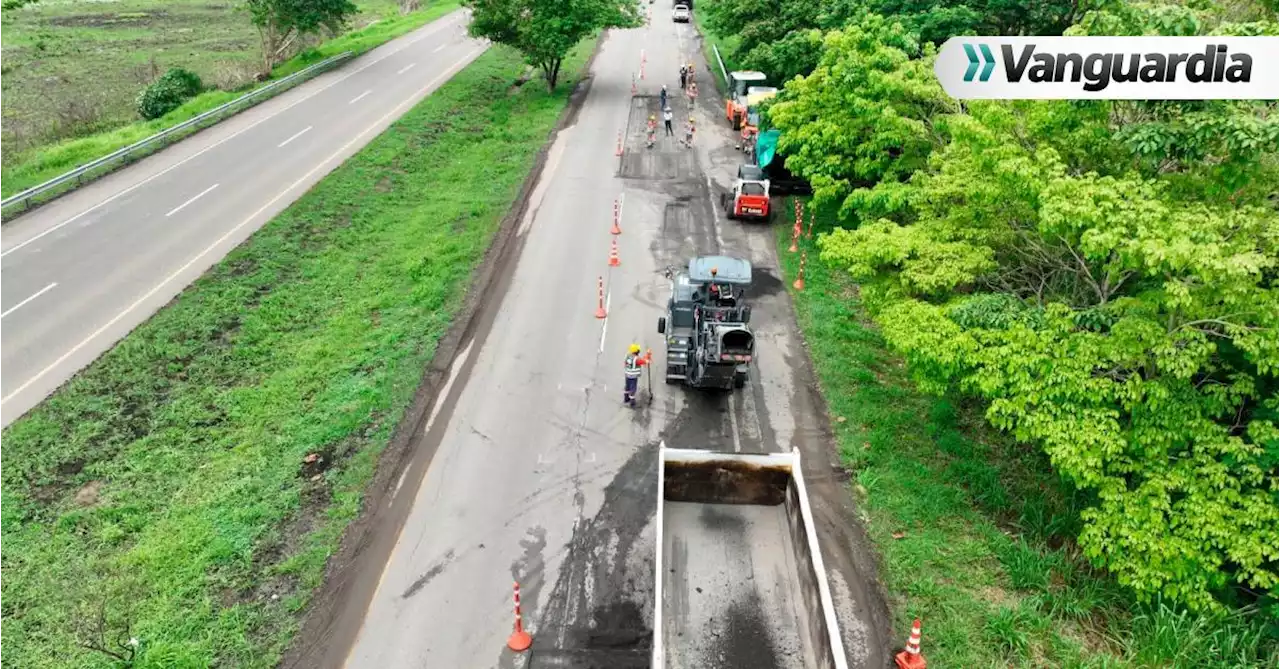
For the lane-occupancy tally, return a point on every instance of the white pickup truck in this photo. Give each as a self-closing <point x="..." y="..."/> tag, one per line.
<point x="739" y="579"/>
<point x="680" y="14"/>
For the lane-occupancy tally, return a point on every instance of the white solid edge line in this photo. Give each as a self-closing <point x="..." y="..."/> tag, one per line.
<point x="604" y="328"/>
<point x="228" y="138"/>
<point x="23" y="303"/>
<point x="406" y="68"/>
<point x="359" y="97"/>
<point x="184" y="204"/>
<point x="96" y="333"/>
<point x="299" y="134"/>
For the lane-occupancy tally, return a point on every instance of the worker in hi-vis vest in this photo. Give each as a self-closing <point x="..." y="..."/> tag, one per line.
<point x="631" y="368"/>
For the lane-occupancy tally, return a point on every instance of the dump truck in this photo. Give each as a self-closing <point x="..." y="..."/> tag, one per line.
<point x="739" y="577"/>
<point x="774" y="164"/>
<point x="709" y="342"/>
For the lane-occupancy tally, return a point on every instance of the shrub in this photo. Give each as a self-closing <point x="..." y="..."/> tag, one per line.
<point x="168" y="92"/>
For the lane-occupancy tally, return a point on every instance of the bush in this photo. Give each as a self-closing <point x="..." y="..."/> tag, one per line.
<point x="168" y="92"/>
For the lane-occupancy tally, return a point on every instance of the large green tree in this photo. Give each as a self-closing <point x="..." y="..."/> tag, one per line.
<point x="1103" y="274"/>
<point x="281" y="22"/>
<point x="545" y="30"/>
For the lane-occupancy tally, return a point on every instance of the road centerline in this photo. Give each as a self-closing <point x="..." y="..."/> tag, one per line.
<point x="295" y="136"/>
<point x="197" y="197"/>
<point x="359" y="97"/>
<point x="406" y="68"/>
<point x="23" y="303"/>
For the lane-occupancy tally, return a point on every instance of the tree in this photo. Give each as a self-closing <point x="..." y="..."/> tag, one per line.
<point x="545" y="30"/>
<point x="865" y="114"/>
<point x="281" y="22"/>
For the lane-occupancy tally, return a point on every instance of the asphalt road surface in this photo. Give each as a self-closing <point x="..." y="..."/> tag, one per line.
<point x="81" y="272"/>
<point x="538" y="474"/>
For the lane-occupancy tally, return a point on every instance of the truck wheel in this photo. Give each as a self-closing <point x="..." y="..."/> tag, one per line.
<point x="671" y="380"/>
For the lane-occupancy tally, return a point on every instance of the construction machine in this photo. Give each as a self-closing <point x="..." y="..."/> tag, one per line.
<point x="744" y="96"/>
<point x="709" y="344"/>
<point x="750" y="195"/>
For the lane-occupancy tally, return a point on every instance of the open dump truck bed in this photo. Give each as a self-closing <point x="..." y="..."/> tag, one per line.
<point x="740" y="582"/>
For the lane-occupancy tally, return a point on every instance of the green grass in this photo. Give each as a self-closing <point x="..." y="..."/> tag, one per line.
<point x="71" y="75"/>
<point x="974" y="529"/>
<point x="170" y="483"/>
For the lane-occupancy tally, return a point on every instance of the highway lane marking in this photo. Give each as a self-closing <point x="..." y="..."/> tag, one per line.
<point x="406" y="68"/>
<point x="399" y="109"/>
<point x="197" y="197"/>
<point x="439" y="48"/>
<point x="299" y="134"/>
<point x="604" y="329"/>
<point x="443" y="395"/>
<point x="228" y="138"/>
<point x="359" y="97"/>
<point x="23" y="303"/>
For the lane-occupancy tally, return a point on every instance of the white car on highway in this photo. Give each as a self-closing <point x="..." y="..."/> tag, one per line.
<point x="680" y="14"/>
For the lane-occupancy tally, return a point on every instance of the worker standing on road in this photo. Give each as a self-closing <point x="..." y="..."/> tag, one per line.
<point x="652" y="131"/>
<point x="692" y="92"/>
<point x="666" y="121"/>
<point x="684" y="75"/>
<point x="631" y="368"/>
<point x="662" y="97"/>
<point x="688" y="134"/>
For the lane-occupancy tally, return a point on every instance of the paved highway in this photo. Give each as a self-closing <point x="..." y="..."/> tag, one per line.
<point x="529" y="467"/>
<point x="81" y="272"/>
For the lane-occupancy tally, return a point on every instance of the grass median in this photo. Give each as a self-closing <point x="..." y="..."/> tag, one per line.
<point x="975" y="530"/>
<point x="41" y="163"/>
<point x="187" y="488"/>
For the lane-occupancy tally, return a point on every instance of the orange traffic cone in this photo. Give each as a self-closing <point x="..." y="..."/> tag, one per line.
<point x="794" y="239"/>
<point x="519" y="640"/>
<point x="799" y="283"/>
<point x="910" y="657"/>
<point x="600" y="312"/>
<point x="617" y="212"/>
<point x="613" y="255"/>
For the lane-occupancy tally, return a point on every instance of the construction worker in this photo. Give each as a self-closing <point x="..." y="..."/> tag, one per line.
<point x="684" y="76"/>
<point x="653" y="129"/>
<point x="662" y="97"/>
<point x="666" y="121"/>
<point x="688" y="134"/>
<point x="692" y="92"/>
<point x="631" y="369"/>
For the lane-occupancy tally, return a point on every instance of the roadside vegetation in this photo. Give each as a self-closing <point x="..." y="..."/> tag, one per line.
<point x="73" y="71"/>
<point x="188" y="487"/>
<point x="1050" y="328"/>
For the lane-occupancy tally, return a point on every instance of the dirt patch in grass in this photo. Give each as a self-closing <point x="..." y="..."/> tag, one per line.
<point x="213" y="523"/>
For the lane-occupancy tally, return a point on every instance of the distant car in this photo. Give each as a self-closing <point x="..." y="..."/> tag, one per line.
<point x="680" y="14"/>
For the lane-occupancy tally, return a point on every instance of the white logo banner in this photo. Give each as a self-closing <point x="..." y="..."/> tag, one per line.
<point x="1110" y="68"/>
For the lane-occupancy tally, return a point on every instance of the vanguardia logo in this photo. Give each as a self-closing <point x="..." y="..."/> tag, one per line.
<point x="1110" y="68"/>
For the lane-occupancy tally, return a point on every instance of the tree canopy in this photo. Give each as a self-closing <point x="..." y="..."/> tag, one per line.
<point x="545" y="30"/>
<point x="281" y="22"/>
<point x="1102" y="274"/>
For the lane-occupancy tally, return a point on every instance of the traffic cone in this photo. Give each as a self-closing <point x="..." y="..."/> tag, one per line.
<point x="613" y="254"/>
<point x="799" y="283"/>
<point x="519" y="640"/>
<point x="600" y="312"/>
<point x="794" y="239"/>
<point x="619" y="152"/>
<point x="617" y="211"/>
<point x="910" y="657"/>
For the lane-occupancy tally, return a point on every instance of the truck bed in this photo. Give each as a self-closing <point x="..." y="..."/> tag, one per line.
<point x="731" y="589"/>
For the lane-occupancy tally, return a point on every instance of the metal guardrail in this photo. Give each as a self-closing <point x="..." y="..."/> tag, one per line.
<point x="723" y="73"/>
<point x="144" y="147"/>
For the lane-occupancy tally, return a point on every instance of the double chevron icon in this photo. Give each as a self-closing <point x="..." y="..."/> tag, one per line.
<point x="988" y="62"/>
